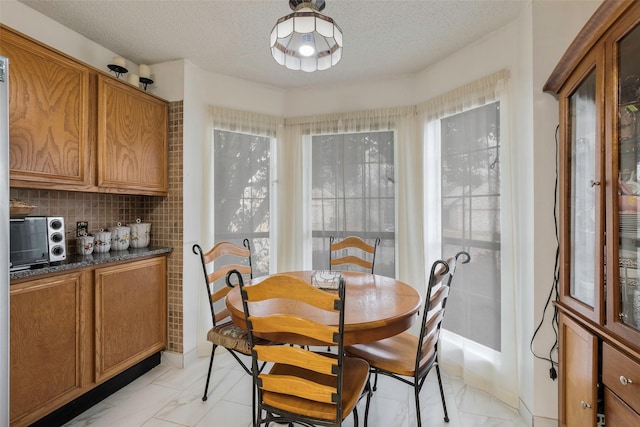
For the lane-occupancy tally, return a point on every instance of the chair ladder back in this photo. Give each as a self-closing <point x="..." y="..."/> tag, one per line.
<point x="284" y="286"/>
<point x="228" y="248"/>
<point x="431" y="316"/>
<point x="310" y="390"/>
<point x="440" y="280"/>
<point x="223" y="270"/>
<point x="352" y="259"/>
<point x="224" y="333"/>
<point x="219" y="294"/>
<point x="212" y="275"/>
<point x="439" y="296"/>
<point x="294" y="355"/>
<point x="295" y="325"/>
<point x="427" y="348"/>
<point x="297" y="372"/>
<point x="352" y="242"/>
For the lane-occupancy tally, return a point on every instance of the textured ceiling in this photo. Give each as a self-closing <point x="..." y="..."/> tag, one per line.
<point x="381" y="38"/>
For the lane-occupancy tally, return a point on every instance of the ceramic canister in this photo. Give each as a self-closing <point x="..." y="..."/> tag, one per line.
<point x="102" y="241"/>
<point x="120" y="237"/>
<point x="140" y="234"/>
<point x="84" y="245"/>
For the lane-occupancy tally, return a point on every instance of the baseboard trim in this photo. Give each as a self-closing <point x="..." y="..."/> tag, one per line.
<point x="179" y="360"/>
<point x="525" y="414"/>
<point x="544" y="422"/>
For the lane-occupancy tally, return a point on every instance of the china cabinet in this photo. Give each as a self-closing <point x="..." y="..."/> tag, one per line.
<point x="597" y="83"/>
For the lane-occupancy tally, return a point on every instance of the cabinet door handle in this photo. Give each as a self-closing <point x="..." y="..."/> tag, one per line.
<point x="594" y="183"/>
<point x="624" y="380"/>
<point x="584" y="404"/>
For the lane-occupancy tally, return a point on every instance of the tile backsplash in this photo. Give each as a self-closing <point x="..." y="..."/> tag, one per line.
<point x="99" y="210"/>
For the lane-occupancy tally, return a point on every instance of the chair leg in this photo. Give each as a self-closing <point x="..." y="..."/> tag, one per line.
<point x="416" y="392"/>
<point x="206" y="387"/>
<point x="254" y="413"/>
<point x="444" y="405"/>
<point x="375" y="381"/>
<point x="366" y="408"/>
<point x="355" y="417"/>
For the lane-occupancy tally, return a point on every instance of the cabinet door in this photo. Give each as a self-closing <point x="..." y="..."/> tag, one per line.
<point x="623" y="303"/>
<point x="578" y="369"/>
<point x="132" y="139"/>
<point x="48" y="115"/>
<point x="130" y="301"/>
<point x="48" y="355"/>
<point x="582" y="185"/>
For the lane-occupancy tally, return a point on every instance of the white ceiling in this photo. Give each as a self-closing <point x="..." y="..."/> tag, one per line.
<point x="381" y="38"/>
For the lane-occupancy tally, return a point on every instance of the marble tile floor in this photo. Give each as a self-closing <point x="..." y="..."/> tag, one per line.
<point x="171" y="397"/>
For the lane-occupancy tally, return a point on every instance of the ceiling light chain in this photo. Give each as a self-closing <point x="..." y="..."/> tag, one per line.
<point x="306" y="39"/>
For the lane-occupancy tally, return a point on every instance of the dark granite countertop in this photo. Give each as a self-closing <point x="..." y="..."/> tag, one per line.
<point x="77" y="261"/>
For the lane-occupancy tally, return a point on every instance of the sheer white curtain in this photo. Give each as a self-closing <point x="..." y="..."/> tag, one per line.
<point x="295" y="236"/>
<point x="234" y="121"/>
<point x="493" y="371"/>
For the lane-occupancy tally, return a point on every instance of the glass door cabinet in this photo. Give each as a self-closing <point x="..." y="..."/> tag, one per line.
<point x="623" y="302"/>
<point x="597" y="84"/>
<point x="581" y="173"/>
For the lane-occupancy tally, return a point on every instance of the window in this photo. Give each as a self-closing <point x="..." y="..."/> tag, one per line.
<point x="352" y="179"/>
<point x="470" y="191"/>
<point x="242" y="193"/>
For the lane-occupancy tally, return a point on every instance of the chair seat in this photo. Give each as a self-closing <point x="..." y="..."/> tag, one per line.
<point x="396" y="354"/>
<point x="355" y="376"/>
<point x="229" y="335"/>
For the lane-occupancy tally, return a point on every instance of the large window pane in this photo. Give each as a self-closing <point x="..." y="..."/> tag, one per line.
<point x="242" y="183"/>
<point x="353" y="194"/>
<point x="470" y="144"/>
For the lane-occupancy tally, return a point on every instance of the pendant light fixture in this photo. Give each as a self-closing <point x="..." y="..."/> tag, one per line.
<point x="306" y="39"/>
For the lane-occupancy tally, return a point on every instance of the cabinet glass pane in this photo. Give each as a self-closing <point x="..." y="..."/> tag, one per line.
<point x="582" y="200"/>
<point x="629" y="177"/>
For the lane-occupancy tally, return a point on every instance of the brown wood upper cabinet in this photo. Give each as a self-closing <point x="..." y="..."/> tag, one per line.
<point x="132" y="139"/>
<point x="49" y="114"/>
<point x="73" y="127"/>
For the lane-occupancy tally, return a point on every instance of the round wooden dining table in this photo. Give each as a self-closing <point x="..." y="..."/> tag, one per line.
<point x="376" y="307"/>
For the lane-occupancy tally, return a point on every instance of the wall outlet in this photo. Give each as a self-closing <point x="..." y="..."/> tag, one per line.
<point x="82" y="228"/>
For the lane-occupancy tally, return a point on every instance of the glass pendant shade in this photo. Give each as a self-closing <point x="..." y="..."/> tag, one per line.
<point x="306" y="39"/>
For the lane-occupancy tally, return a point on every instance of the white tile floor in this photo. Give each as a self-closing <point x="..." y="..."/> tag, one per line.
<point x="171" y="397"/>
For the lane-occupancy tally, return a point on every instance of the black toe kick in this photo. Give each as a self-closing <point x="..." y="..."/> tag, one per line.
<point x="97" y="394"/>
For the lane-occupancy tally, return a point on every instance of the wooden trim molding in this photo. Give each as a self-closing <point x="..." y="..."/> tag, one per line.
<point x="594" y="29"/>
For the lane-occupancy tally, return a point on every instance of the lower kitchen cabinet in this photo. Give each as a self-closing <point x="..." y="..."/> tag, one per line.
<point x="50" y="343"/>
<point x="72" y="331"/>
<point x="130" y="314"/>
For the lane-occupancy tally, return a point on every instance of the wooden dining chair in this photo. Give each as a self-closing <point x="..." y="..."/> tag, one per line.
<point x="409" y="358"/>
<point x="352" y="250"/>
<point x="216" y="263"/>
<point x="302" y="386"/>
